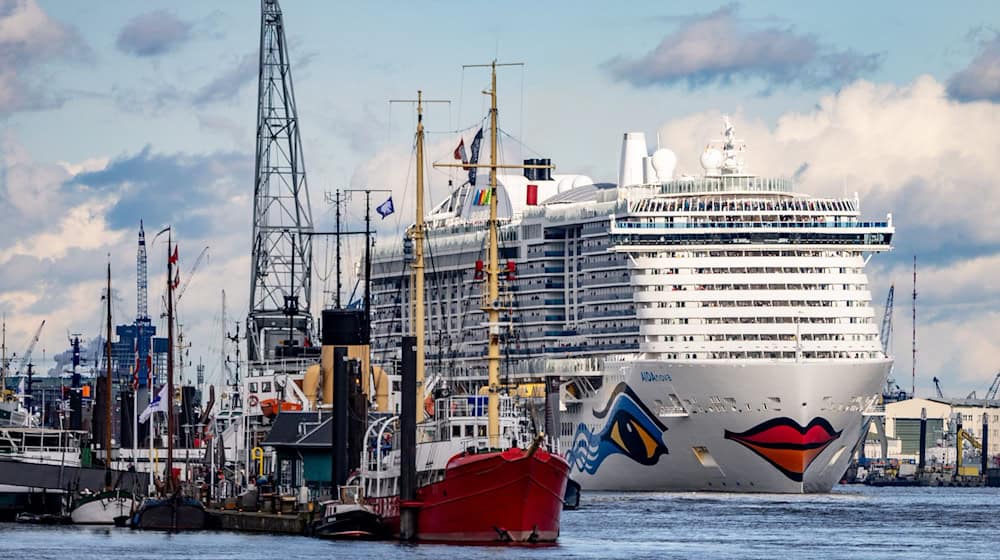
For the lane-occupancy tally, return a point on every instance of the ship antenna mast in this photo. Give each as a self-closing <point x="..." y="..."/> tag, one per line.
<point x="108" y="391"/>
<point x="491" y="305"/>
<point x="913" y="362"/>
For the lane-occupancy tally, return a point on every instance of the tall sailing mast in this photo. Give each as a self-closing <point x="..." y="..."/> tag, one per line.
<point x="108" y="395"/>
<point x="491" y="305"/>
<point x="170" y="362"/>
<point x="417" y="234"/>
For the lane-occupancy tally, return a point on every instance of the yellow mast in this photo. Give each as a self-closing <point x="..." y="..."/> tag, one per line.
<point x="417" y="286"/>
<point x="493" y="280"/>
<point x="491" y="304"/>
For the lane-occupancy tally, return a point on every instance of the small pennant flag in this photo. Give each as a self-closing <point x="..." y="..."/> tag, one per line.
<point x="158" y="404"/>
<point x="460" y="152"/>
<point x="476" y="141"/>
<point x="385" y="208"/>
<point x="175" y="256"/>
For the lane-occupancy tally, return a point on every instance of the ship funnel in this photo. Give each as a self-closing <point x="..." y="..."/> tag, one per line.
<point x="630" y="170"/>
<point x="649" y="172"/>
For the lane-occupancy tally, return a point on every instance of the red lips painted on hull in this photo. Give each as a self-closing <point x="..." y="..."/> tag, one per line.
<point x="785" y="444"/>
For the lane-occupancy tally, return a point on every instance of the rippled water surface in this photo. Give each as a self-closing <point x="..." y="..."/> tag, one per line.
<point x="853" y="522"/>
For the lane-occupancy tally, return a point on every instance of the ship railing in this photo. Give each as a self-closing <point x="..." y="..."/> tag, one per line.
<point x="631" y="225"/>
<point x="471" y="406"/>
<point x="738" y="183"/>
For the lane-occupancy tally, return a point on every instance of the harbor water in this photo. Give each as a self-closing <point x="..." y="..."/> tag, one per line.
<point x="854" y="522"/>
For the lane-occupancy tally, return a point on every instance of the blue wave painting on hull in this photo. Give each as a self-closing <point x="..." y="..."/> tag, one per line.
<point x="631" y="429"/>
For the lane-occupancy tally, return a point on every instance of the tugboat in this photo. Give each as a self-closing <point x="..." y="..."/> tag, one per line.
<point x="478" y="481"/>
<point x="349" y="517"/>
<point x="172" y="511"/>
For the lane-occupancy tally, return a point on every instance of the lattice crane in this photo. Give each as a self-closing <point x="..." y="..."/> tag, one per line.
<point x="26" y="357"/>
<point x="885" y="333"/>
<point x="281" y="268"/>
<point x="991" y="393"/>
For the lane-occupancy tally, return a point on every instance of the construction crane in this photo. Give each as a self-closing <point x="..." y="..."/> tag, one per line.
<point x="961" y="436"/>
<point x="991" y="393"/>
<point x="885" y="333"/>
<point x="937" y="387"/>
<point x="26" y="357"/>
<point x="190" y="274"/>
<point x="187" y="279"/>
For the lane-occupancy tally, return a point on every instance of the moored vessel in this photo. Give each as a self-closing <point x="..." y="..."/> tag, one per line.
<point x="103" y="508"/>
<point x="477" y="477"/>
<point x="702" y="333"/>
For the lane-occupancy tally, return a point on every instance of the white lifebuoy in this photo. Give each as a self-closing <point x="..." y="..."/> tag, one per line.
<point x="252" y="401"/>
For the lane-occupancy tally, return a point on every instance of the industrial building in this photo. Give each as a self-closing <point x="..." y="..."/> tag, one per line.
<point x="902" y="428"/>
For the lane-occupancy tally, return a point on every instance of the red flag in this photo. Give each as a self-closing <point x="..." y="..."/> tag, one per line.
<point x="177" y="279"/>
<point x="174" y="257"/>
<point x="460" y="151"/>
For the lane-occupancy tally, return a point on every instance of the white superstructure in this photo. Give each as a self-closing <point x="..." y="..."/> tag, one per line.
<point x="711" y="332"/>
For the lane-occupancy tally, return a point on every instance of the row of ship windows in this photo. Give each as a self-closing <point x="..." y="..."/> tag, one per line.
<point x="767" y="320"/>
<point x="743" y="205"/>
<point x="754" y="270"/>
<point x="769" y="287"/>
<point x="765" y="355"/>
<point x="762" y="337"/>
<point x="757" y="303"/>
<point x="745" y="253"/>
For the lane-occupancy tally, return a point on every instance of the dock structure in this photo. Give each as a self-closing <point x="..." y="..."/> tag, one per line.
<point x="261" y="522"/>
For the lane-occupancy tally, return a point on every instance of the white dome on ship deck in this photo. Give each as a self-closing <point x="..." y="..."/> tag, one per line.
<point x="664" y="162"/>
<point x="711" y="159"/>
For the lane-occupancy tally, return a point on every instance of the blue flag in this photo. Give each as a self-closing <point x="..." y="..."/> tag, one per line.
<point x="385" y="208"/>
<point x="475" y="156"/>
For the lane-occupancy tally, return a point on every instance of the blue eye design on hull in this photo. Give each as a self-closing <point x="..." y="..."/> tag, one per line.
<point x="631" y="429"/>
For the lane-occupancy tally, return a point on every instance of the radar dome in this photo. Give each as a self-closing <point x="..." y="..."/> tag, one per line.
<point x="711" y="159"/>
<point x="664" y="162"/>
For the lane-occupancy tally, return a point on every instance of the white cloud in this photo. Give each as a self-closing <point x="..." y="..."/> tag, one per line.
<point x="931" y="161"/>
<point x="901" y="147"/>
<point x="28" y="37"/>
<point x="85" y="166"/>
<point x="980" y="80"/>
<point x="81" y="227"/>
<point x="720" y="47"/>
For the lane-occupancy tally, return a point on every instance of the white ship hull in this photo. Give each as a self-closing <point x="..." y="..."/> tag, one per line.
<point x="103" y="509"/>
<point x="787" y="427"/>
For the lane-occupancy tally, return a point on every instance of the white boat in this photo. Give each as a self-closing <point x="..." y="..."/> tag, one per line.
<point x="710" y="333"/>
<point x="103" y="508"/>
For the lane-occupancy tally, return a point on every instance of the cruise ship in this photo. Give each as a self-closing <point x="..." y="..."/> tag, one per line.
<point x="710" y="332"/>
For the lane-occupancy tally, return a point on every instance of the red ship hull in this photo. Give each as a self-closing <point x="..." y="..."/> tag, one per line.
<point x="495" y="497"/>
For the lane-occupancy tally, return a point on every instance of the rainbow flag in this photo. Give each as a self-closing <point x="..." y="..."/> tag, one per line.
<point x="482" y="197"/>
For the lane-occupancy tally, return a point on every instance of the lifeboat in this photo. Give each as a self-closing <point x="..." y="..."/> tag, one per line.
<point x="271" y="407"/>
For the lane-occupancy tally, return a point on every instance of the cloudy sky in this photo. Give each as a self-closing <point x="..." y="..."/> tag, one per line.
<point x="115" y="111"/>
